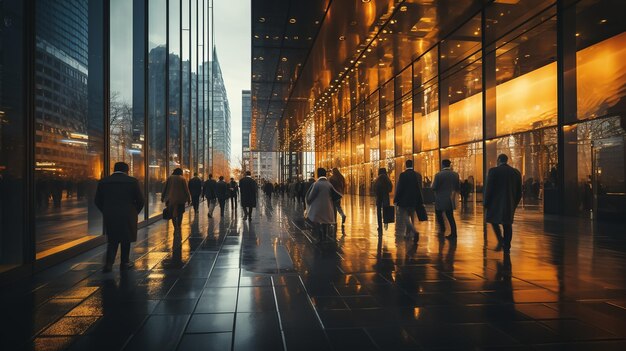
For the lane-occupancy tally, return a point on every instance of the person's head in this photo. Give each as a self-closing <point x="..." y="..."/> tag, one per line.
<point x="248" y="173"/>
<point x="336" y="171"/>
<point x="321" y="172"/>
<point x="446" y="163"/>
<point x="177" y="171"/>
<point x="232" y="179"/>
<point x="210" y="175"/>
<point x="382" y="171"/>
<point x="409" y="163"/>
<point x="502" y="159"/>
<point x="221" y="178"/>
<point x="120" y="167"/>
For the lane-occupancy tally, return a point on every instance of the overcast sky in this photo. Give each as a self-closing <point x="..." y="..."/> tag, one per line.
<point x="232" y="41"/>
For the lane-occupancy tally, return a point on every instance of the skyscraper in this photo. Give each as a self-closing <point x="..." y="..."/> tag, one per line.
<point x="246" y="123"/>
<point x="221" y="121"/>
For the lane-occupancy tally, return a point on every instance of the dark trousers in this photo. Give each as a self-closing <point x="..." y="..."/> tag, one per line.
<point x="442" y="223"/>
<point x="508" y="234"/>
<point x="112" y="252"/>
<point x="195" y="202"/>
<point x="222" y="206"/>
<point x="233" y="202"/>
<point x="379" y="214"/>
<point x="247" y="212"/>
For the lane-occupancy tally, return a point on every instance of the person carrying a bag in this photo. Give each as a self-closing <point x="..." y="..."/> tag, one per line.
<point x="409" y="199"/>
<point x="176" y="195"/>
<point x="382" y="188"/>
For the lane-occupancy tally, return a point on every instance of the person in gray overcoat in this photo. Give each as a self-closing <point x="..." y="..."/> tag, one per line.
<point x="120" y="199"/>
<point x="446" y="186"/>
<point x="320" y="208"/>
<point x="502" y="195"/>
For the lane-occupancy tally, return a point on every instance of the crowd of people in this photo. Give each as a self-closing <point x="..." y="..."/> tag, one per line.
<point x="119" y="198"/>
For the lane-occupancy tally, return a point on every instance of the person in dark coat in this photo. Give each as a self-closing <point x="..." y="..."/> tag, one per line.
<point x="339" y="183"/>
<point x="209" y="194"/>
<point x="268" y="189"/>
<point x="502" y="195"/>
<point x="248" y="191"/>
<point x="446" y="186"/>
<point x="195" y="188"/>
<point x="382" y="188"/>
<point x="119" y="198"/>
<point x="175" y="195"/>
<point x="234" y="191"/>
<point x="222" y="193"/>
<point x="408" y="197"/>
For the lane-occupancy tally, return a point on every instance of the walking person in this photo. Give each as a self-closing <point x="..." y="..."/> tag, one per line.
<point x="382" y="188"/>
<point x="119" y="198"/>
<point x="502" y="195"/>
<point x="176" y="195"/>
<point x="408" y="197"/>
<point x="234" y="192"/>
<point x="339" y="183"/>
<point x="248" y="191"/>
<point x="195" y="189"/>
<point x="209" y="194"/>
<point x="222" y="193"/>
<point x="320" y="208"/>
<point x="446" y="185"/>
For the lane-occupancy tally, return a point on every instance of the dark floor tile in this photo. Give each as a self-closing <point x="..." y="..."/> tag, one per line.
<point x="186" y="289"/>
<point x="51" y="343"/>
<point x="256" y="299"/>
<point x="178" y="306"/>
<point x="584" y="346"/>
<point x="211" y="323"/>
<point x="160" y="332"/>
<point x="257" y="331"/>
<point x="206" y="342"/>
<point x="217" y="300"/>
<point x="350" y="339"/>
<point x="392" y="338"/>
<point x="70" y="326"/>
<point x="361" y="302"/>
<point x="576" y="330"/>
<point x="306" y="340"/>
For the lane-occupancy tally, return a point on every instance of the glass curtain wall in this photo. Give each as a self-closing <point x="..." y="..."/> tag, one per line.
<point x="68" y="123"/>
<point x="510" y="79"/>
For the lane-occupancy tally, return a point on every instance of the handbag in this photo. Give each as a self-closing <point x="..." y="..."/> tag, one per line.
<point x="389" y="214"/>
<point x="167" y="214"/>
<point x="422" y="215"/>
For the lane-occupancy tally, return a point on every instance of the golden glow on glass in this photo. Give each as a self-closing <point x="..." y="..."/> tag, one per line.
<point x="527" y="102"/>
<point x="465" y="119"/>
<point x="600" y="76"/>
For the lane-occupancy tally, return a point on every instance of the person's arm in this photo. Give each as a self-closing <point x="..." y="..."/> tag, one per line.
<point x="311" y="194"/>
<point x="99" y="199"/>
<point x="518" y="188"/>
<point x="489" y="189"/>
<point x="187" y="192"/>
<point x="165" y="189"/>
<point x="435" y="185"/>
<point x="399" y="187"/>
<point x="138" y="197"/>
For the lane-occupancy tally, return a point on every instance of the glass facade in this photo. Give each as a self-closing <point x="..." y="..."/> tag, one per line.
<point x="100" y="82"/>
<point x="539" y="80"/>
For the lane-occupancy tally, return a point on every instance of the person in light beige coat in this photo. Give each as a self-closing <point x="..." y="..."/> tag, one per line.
<point x="176" y="195"/>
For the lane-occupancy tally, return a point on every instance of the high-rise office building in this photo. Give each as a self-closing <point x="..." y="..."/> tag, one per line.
<point x="246" y="124"/>
<point x="218" y="102"/>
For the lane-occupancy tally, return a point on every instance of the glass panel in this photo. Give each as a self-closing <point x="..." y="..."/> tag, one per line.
<point x="467" y="160"/>
<point x="157" y="157"/>
<point x="534" y="154"/>
<point x="526" y="80"/>
<point x="465" y="104"/>
<point x="600" y="58"/>
<point x="12" y="133"/>
<point x="193" y="163"/>
<point x="463" y="43"/>
<point x="69" y="124"/>
<point x="174" y="84"/>
<point x="426" y="125"/>
<point x="186" y="82"/>
<point x="502" y="16"/>
<point x="427" y="164"/>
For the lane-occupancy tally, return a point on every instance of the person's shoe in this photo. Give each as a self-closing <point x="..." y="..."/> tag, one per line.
<point x="126" y="266"/>
<point x="343" y="219"/>
<point x="107" y="269"/>
<point x="451" y="237"/>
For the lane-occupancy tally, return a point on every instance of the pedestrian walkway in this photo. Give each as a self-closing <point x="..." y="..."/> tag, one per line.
<point x="229" y="284"/>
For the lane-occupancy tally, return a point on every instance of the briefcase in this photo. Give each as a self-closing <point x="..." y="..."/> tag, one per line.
<point x="389" y="214"/>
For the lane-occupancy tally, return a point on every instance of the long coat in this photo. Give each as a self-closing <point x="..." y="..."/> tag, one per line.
<point x="338" y="182"/>
<point x="409" y="189"/>
<point x="382" y="188"/>
<point x="446" y="186"/>
<point x="221" y="190"/>
<point x="120" y="199"/>
<point x="176" y="194"/>
<point x="195" y="187"/>
<point x="248" y="191"/>
<point x="209" y="189"/>
<point x="319" y="201"/>
<point x="502" y="194"/>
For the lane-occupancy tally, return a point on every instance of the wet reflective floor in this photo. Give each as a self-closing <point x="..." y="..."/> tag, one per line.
<point x="267" y="284"/>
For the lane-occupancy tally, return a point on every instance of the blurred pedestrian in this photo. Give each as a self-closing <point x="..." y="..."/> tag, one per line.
<point x="339" y="183"/>
<point x="382" y="188"/>
<point x="446" y="185"/>
<point x="209" y="194"/>
<point x="120" y="199"/>
<point x="502" y="195"/>
<point x="248" y="190"/>
<point x="175" y="195"/>
<point x="408" y="197"/>
<point x="195" y="189"/>
<point x="234" y="192"/>
<point x="320" y="208"/>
